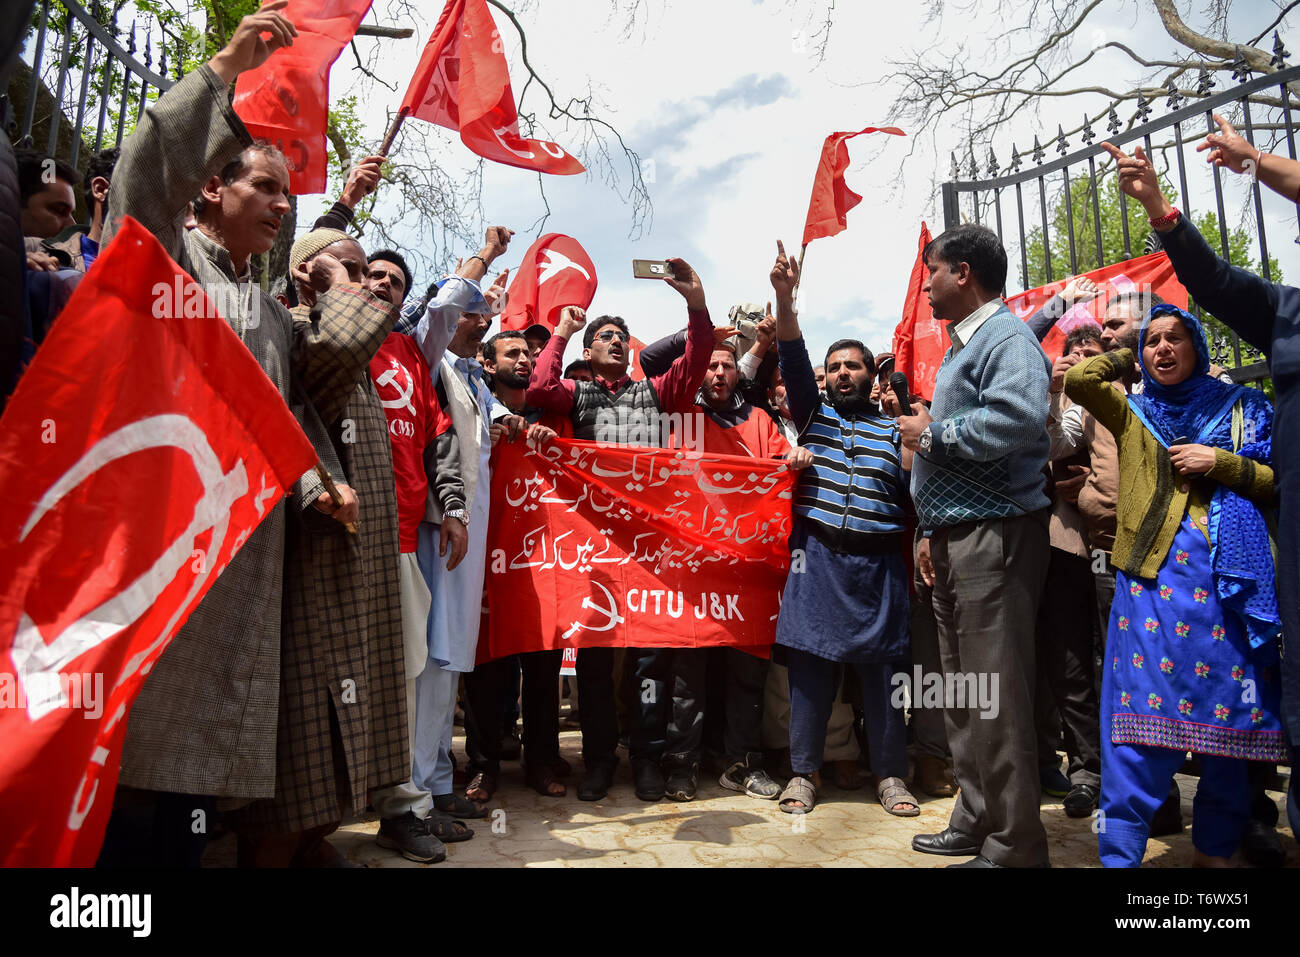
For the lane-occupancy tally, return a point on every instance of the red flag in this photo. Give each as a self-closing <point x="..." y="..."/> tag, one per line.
<point x="136" y="457"/>
<point x="638" y="547"/>
<point x="556" y="272"/>
<point x="832" y="199"/>
<point x="462" y="83"/>
<point x="286" y="99"/>
<point x="920" y="340"/>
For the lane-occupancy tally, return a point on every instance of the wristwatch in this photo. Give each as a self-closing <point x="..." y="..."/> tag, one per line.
<point x="459" y="515"/>
<point x="925" y="439"/>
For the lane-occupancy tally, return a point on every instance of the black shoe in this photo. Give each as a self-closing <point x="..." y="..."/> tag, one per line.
<point x="682" y="781"/>
<point x="1261" y="846"/>
<point x="979" y="860"/>
<point x="596" y="783"/>
<point x="1169" y="817"/>
<point x="649" y="780"/>
<point x="1054" y="783"/>
<point x="949" y="842"/>
<point x="411" y="837"/>
<point x="1081" y="801"/>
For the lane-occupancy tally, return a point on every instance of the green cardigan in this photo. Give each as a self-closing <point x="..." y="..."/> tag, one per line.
<point x="1153" y="497"/>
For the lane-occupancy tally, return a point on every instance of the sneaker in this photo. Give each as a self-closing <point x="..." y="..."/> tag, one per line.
<point x="411" y="837"/>
<point x="1081" y="801"/>
<point x="752" y="781"/>
<point x="1261" y="846"/>
<point x="649" y="780"/>
<point x="682" y="781"/>
<point x="1054" y="782"/>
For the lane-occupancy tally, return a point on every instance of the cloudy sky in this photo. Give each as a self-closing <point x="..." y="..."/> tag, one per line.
<point x="727" y="107"/>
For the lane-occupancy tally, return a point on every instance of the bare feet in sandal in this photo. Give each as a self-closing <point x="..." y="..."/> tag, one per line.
<point x="543" y="780"/>
<point x="895" y="798"/>
<point x="800" y="793"/>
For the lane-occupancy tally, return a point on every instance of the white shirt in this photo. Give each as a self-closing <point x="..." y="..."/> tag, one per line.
<point x="962" y="332"/>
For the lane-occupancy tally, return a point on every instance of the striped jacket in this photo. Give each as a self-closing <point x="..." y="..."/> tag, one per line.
<point x="855" y="488"/>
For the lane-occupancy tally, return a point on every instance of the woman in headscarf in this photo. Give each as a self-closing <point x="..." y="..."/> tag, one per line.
<point x="1192" y="647"/>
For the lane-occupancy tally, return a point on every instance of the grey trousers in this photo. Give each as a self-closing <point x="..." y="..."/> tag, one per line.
<point x="988" y="582"/>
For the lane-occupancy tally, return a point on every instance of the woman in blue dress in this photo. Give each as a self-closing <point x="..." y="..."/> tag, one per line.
<point x="1192" y="646"/>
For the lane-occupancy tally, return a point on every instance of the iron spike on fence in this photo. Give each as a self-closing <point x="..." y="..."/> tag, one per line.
<point x="974" y="170"/>
<point x="993" y="164"/>
<point x="1204" y="82"/>
<point x="1015" y="160"/>
<point x="1175" y="95"/>
<point x="1038" y="152"/>
<point x="954" y="174"/>
<point x="1112" y="122"/>
<point x="1062" y="146"/>
<point x="1240" y="68"/>
<point x="1278" y="60"/>
<point x="131" y="48"/>
<point x="1086" y="134"/>
<point x="1143" y="108"/>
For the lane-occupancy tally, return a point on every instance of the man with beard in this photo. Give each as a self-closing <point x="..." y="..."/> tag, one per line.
<point x="845" y="598"/>
<point x="507" y="360"/>
<point x="612" y="408"/>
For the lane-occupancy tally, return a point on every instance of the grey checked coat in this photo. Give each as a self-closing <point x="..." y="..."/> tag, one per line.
<point x="205" y="722"/>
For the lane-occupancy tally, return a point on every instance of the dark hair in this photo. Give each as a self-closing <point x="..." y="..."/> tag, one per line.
<point x="31" y="173"/>
<point x="578" y="365"/>
<point x="101" y="164"/>
<point x="235" y="168"/>
<point x="598" y="323"/>
<point x="1087" y="332"/>
<point x="394" y="257"/>
<point x="490" y="344"/>
<point x="978" y="247"/>
<point x="1141" y="300"/>
<point x="867" y="358"/>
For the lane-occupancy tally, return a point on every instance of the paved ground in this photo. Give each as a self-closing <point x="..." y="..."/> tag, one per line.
<point x="719" y="829"/>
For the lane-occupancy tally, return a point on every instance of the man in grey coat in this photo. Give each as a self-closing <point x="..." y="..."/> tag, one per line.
<point x="202" y="734"/>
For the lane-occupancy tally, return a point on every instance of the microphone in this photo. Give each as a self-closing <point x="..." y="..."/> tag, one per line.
<point x="898" y="382"/>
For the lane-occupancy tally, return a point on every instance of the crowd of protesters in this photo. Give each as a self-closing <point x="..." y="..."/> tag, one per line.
<point x="1092" y="541"/>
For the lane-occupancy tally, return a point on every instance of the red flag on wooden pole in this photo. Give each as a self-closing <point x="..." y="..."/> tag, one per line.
<point x="142" y="447"/>
<point x="831" y="197"/>
<point x="286" y="99"/>
<point x="555" y="272"/>
<point x="463" y="83"/>
<point x="919" y="339"/>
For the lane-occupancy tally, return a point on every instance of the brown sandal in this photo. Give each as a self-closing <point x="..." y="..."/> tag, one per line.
<point x="545" y="782"/>
<point x="480" y="789"/>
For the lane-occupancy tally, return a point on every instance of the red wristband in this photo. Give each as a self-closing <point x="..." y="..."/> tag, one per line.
<point x="1167" y="220"/>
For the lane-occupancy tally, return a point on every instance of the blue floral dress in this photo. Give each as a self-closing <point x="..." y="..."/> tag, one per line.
<point x="1180" y="672"/>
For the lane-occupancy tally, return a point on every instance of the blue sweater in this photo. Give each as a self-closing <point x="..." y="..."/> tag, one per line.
<point x="854" y="489"/>
<point x="990" y="429"/>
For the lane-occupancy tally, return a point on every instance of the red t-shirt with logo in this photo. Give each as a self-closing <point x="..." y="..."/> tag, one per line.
<point x="401" y="376"/>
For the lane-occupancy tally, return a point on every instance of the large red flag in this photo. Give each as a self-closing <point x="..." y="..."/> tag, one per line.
<point x="462" y="83"/>
<point x="556" y="272"/>
<point x="920" y="340"/>
<point x="139" y="452"/>
<point x="831" y="200"/>
<point x="639" y="547"/>
<point x="286" y="99"/>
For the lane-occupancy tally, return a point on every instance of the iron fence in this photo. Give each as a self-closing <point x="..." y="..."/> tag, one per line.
<point x="984" y="196"/>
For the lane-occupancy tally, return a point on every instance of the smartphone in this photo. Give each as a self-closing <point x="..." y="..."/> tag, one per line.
<point x="651" y="269"/>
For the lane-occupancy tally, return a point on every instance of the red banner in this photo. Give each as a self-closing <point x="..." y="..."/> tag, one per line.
<point x="462" y="83"/>
<point x="831" y="200"/>
<point x="286" y="99"/>
<point x="141" y="449"/>
<point x="920" y="340"/>
<point x="593" y="546"/>
<point x="555" y="272"/>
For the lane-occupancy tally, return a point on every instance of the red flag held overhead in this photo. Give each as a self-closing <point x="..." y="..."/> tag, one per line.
<point x="286" y="99"/>
<point x="463" y="83"/>
<point x="556" y="272"/>
<point x="831" y="200"/>
<point x="919" y="339"/>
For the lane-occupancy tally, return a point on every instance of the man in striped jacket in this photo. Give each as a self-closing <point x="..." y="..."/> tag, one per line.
<point x="847" y="577"/>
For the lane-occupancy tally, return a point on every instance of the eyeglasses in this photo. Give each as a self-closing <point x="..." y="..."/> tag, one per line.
<point x="609" y="334"/>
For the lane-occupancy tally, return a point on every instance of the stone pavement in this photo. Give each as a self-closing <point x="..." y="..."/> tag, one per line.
<point x="720" y="828"/>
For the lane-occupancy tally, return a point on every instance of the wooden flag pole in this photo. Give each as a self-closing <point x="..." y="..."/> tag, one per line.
<point x="795" y="291"/>
<point x="391" y="135"/>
